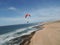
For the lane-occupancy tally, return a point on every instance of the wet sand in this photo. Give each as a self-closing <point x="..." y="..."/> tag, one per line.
<point x="49" y="35"/>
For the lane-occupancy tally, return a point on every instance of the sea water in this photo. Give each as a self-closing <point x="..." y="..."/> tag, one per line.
<point x="10" y="32"/>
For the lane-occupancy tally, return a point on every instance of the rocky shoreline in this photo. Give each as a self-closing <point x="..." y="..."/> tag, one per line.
<point x="24" y="39"/>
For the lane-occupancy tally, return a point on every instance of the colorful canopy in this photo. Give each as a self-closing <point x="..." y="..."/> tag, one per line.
<point x="27" y="15"/>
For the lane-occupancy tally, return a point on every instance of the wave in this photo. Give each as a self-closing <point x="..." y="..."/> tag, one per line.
<point x="17" y="33"/>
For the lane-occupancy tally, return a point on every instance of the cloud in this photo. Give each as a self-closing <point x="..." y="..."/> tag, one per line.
<point x="47" y="12"/>
<point x="44" y="14"/>
<point x="11" y="21"/>
<point x="37" y="15"/>
<point x="12" y="8"/>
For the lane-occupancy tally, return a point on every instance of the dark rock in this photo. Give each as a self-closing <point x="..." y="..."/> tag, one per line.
<point x="23" y="40"/>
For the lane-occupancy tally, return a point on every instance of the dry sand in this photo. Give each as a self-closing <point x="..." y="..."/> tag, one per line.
<point x="49" y="35"/>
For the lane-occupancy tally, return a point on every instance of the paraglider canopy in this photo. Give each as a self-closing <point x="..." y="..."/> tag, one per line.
<point x="27" y="15"/>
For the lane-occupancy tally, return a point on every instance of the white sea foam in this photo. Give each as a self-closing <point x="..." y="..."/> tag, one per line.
<point x="11" y="35"/>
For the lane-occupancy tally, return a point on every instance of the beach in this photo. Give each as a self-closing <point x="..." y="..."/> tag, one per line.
<point x="46" y="33"/>
<point x="49" y="35"/>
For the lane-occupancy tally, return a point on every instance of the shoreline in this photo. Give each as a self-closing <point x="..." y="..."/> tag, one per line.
<point x="31" y="38"/>
<point x="24" y="39"/>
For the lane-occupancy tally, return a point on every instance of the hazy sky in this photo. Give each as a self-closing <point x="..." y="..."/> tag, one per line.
<point x="13" y="11"/>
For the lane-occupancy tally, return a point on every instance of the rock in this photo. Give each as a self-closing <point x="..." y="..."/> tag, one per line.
<point x="23" y="40"/>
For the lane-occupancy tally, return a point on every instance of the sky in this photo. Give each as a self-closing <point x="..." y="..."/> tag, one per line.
<point x="13" y="11"/>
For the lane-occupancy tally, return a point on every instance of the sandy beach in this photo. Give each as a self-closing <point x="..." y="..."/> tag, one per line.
<point x="49" y="35"/>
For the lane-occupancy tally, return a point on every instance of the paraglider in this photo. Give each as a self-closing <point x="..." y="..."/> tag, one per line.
<point x="27" y="16"/>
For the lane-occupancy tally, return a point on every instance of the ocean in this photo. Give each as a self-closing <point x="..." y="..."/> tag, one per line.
<point x="13" y="31"/>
